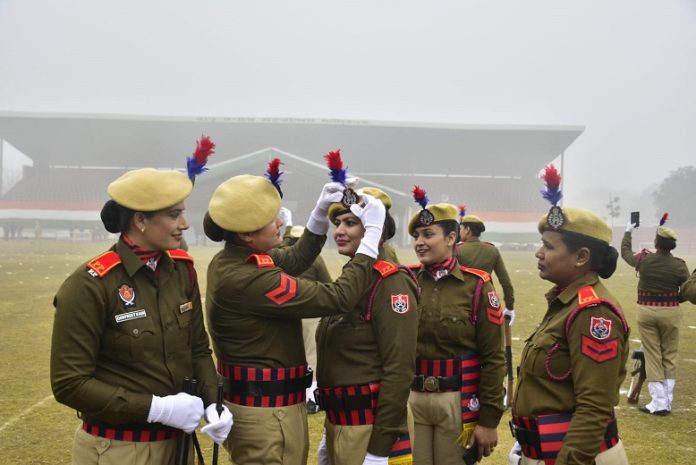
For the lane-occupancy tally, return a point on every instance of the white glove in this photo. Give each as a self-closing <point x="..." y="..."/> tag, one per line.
<point x="323" y="451"/>
<point x="285" y="216"/>
<point x="182" y="411"/>
<point x="630" y="227"/>
<point x="515" y="456"/>
<point x="218" y="426"/>
<point x="375" y="460"/>
<point x="509" y="312"/>
<point x="318" y="223"/>
<point x="372" y="215"/>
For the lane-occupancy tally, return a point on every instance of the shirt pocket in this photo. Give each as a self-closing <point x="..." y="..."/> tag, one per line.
<point x="548" y="358"/>
<point x="135" y="340"/>
<point x="454" y="323"/>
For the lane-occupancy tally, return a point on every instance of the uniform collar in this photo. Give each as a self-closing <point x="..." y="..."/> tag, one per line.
<point x="456" y="273"/>
<point x="132" y="263"/>
<point x="238" y="251"/>
<point x="571" y="292"/>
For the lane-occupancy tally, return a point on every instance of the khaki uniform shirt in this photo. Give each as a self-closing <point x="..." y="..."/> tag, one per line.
<point x="108" y="356"/>
<point x="352" y="351"/>
<point x="485" y="256"/>
<point x="389" y="254"/>
<point x="658" y="272"/>
<point x="688" y="289"/>
<point x="592" y="389"/>
<point x="254" y="312"/>
<point x="446" y="332"/>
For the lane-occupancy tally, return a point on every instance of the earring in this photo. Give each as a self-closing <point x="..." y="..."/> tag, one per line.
<point x="142" y="230"/>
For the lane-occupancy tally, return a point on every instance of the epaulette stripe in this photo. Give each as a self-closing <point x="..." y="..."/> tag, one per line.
<point x="414" y="266"/>
<point x="587" y="296"/>
<point x="104" y="263"/>
<point x="179" y="254"/>
<point x="261" y="260"/>
<point x="475" y="271"/>
<point x="385" y="268"/>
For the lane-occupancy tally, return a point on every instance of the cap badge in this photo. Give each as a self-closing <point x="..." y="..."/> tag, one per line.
<point x="350" y="197"/>
<point x="426" y="218"/>
<point x="555" y="218"/>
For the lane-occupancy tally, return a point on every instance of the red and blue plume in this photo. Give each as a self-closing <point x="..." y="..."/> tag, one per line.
<point x="552" y="179"/>
<point x="664" y="219"/>
<point x="273" y="173"/>
<point x="462" y="211"/>
<point x="337" y="172"/>
<point x="420" y="196"/>
<point x="195" y="164"/>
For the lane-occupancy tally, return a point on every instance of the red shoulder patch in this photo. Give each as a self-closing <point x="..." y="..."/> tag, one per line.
<point x="587" y="296"/>
<point x="180" y="254"/>
<point x="286" y="290"/>
<point x="495" y="316"/>
<point x="600" y="351"/>
<point x="475" y="271"/>
<point x="385" y="268"/>
<point x="262" y="260"/>
<point x="104" y="263"/>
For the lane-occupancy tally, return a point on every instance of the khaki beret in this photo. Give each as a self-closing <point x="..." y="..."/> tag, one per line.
<point x="580" y="221"/>
<point x="149" y="190"/>
<point x="667" y="233"/>
<point x="244" y="203"/>
<point x="471" y="219"/>
<point x="435" y="213"/>
<point x="338" y="208"/>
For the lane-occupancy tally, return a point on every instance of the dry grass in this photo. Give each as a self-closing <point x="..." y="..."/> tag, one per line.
<point x="34" y="429"/>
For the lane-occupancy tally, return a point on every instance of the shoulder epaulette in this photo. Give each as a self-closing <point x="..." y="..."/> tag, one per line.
<point x="385" y="268"/>
<point x="104" y="263"/>
<point x="180" y="254"/>
<point x="475" y="271"/>
<point x="587" y="296"/>
<point x="489" y="243"/>
<point x="680" y="259"/>
<point x="261" y="260"/>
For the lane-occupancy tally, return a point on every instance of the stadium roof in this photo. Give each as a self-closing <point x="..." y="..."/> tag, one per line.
<point x="370" y="147"/>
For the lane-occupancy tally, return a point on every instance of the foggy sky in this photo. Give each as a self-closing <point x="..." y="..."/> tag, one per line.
<point x="625" y="69"/>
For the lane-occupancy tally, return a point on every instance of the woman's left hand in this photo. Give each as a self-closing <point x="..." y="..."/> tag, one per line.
<point x="486" y="439"/>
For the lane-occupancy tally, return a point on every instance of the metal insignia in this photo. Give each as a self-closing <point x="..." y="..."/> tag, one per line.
<point x="127" y="295"/>
<point x="555" y="219"/>
<point x="183" y="308"/>
<point x="134" y="315"/>
<point x="426" y="218"/>
<point x="350" y="197"/>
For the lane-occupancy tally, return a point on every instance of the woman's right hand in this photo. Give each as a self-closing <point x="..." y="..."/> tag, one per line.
<point x="182" y="411"/>
<point x="372" y="215"/>
<point x="332" y="192"/>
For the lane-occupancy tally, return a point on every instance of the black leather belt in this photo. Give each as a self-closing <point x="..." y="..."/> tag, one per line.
<point x="530" y="437"/>
<point x="268" y="388"/>
<point x="342" y="403"/>
<point x="424" y="383"/>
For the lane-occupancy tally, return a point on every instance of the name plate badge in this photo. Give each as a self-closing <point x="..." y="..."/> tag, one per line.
<point x="183" y="308"/>
<point x="134" y="315"/>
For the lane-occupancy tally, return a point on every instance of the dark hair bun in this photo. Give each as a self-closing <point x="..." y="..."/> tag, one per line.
<point x="212" y="230"/>
<point x="608" y="263"/>
<point x="111" y="216"/>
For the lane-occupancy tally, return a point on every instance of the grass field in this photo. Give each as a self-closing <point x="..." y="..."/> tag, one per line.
<point x="34" y="429"/>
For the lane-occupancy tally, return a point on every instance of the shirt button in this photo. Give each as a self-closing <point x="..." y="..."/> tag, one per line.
<point x="430" y="313"/>
<point x="136" y="331"/>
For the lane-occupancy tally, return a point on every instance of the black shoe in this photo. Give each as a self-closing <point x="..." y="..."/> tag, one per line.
<point x="312" y="407"/>
<point x="661" y="413"/>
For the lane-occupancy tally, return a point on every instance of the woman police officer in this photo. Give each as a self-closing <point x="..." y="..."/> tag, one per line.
<point x="456" y="397"/>
<point x="129" y="328"/>
<point x="574" y="362"/>
<point x="254" y="310"/>
<point x="366" y="356"/>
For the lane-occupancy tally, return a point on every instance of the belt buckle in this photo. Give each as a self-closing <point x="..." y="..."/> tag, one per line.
<point x="431" y="384"/>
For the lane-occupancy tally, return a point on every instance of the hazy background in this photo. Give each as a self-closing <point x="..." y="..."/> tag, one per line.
<point x="625" y="69"/>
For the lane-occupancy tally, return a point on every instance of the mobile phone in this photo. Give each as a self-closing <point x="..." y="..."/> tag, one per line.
<point x="635" y="218"/>
<point x="471" y="455"/>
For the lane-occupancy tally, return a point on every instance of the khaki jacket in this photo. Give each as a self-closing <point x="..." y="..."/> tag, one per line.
<point x="658" y="271"/>
<point x="485" y="256"/>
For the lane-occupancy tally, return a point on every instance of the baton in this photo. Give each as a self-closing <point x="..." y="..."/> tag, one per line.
<point x="218" y="407"/>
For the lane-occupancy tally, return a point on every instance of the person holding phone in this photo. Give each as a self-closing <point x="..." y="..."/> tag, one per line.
<point x="660" y="275"/>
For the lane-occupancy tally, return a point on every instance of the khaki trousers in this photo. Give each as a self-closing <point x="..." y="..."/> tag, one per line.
<point x="347" y="445"/>
<point x="309" y="331"/>
<point x="659" y="335"/>
<point x="614" y="456"/>
<point x="268" y="435"/>
<point x="94" y="450"/>
<point x="437" y="421"/>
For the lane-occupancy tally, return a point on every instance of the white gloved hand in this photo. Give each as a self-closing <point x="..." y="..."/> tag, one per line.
<point x="509" y="312"/>
<point x="182" y="411"/>
<point x="515" y="456"/>
<point x="318" y="223"/>
<point x="323" y="451"/>
<point x="630" y="227"/>
<point x="285" y="216"/>
<point x="218" y="426"/>
<point x="372" y="216"/>
<point x="374" y="459"/>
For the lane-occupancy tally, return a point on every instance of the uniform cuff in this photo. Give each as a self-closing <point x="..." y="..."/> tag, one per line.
<point x="381" y="443"/>
<point x="490" y="417"/>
